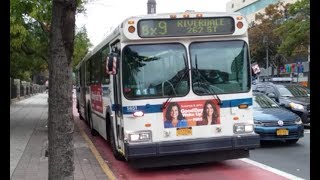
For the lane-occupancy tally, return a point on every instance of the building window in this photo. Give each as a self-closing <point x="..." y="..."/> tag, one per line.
<point x="243" y="0"/>
<point x="232" y="5"/>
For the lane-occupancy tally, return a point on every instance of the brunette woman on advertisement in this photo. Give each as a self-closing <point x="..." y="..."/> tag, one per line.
<point x="209" y="114"/>
<point x="174" y="117"/>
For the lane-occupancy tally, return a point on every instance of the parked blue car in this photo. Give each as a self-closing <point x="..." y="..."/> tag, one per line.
<point x="273" y="122"/>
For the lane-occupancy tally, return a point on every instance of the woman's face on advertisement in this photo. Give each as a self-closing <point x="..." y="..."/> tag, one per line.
<point x="174" y="112"/>
<point x="209" y="109"/>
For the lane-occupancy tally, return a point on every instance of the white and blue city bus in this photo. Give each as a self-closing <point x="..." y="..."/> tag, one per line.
<point x="171" y="89"/>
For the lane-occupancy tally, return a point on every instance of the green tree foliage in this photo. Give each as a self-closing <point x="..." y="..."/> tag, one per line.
<point x="261" y="35"/>
<point x="295" y="31"/>
<point x="28" y="42"/>
<point x="29" y="36"/>
<point x="18" y="36"/>
<point x="287" y="29"/>
<point x="81" y="46"/>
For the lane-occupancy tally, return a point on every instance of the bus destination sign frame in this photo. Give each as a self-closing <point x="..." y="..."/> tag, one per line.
<point x="151" y="28"/>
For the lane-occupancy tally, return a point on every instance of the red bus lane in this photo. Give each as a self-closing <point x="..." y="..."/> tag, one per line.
<point x="229" y="169"/>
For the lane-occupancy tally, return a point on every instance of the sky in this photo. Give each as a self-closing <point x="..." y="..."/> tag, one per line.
<point x="102" y="16"/>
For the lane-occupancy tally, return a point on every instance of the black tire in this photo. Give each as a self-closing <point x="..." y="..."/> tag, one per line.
<point x="92" y="130"/>
<point x="78" y="107"/>
<point x="292" y="141"/>
<point x="80" y="116"/>
<point x="116" y="153"/>
<point x="108" y="131"/>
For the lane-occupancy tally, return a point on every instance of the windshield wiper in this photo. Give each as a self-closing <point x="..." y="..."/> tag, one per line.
<point x="204" y="81"/>
<point x="186" y="70"/>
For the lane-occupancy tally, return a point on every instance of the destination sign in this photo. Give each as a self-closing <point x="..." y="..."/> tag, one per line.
<point x="185" y="27"/>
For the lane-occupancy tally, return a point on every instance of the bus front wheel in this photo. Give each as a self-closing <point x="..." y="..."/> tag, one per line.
<point x="115" y="152"/>
<point x="92" y="130"/>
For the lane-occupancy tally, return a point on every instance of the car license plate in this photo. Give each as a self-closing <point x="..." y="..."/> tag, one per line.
<point x="282" y="132"/>
<point x="184" y="131"/>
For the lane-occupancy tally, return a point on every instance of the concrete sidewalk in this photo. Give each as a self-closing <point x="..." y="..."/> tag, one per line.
<point x="29" y="141"/>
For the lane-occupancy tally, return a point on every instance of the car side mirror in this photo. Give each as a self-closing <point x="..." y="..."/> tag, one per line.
<point x="272" y="95"/>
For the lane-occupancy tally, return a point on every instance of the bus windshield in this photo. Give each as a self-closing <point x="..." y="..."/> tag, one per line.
<point x="155" y="70"/>
<point x="220" y="67"/>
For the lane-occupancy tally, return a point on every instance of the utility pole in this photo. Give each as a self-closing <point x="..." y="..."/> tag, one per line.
<point x="265" y="42"/>
<point x="151" y="5"/>
<point x="309" y="66"/>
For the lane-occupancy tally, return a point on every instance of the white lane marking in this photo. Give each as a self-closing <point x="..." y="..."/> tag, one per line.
<point x="307" y="131"/>
<point x="271" y="169"/>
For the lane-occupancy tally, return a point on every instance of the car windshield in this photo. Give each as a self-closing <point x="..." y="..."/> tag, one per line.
<point x="293" y="91"/>
<point x="263" y="101"/>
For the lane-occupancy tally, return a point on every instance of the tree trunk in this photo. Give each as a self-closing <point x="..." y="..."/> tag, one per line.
<point x="60" y="118"/>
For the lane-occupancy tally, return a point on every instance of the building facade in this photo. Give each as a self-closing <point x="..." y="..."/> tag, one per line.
<point x="250" y="7"/>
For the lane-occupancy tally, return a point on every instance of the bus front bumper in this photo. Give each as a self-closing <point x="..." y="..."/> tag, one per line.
<point x="192" y="146"/>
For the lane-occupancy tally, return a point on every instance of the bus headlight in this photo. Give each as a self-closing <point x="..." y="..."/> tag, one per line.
<point x="139" y="136"/>
<point x="242" y="128"/>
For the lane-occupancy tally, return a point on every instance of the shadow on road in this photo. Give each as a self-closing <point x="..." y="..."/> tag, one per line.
<point x="277" y="144"/>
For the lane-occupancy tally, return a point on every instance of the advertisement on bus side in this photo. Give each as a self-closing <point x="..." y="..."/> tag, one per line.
<point x="96" y="98"/>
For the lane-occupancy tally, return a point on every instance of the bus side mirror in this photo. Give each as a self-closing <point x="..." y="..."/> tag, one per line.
<point x="111" y="63"/>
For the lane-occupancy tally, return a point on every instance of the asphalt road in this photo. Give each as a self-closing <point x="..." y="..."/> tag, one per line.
<point x="292" y="159"/>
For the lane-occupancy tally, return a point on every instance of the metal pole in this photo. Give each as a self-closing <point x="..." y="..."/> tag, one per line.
<point x="265" y="42"/>
<point x="309" y="66"/>
<point x="308" y="53"/>
<point x="267" y="61"/>
<point x="297" y="74"/>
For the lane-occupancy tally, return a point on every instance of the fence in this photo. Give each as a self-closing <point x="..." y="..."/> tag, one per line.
<point x="22" y="89"/>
